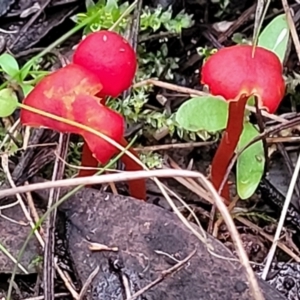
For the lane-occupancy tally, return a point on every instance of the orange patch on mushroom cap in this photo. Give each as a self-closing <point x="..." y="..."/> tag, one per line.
<point x="55" y="93"/>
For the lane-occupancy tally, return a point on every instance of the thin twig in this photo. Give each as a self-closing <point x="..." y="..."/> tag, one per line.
<point x="191" y="184"/>
<point x="282" y="246"/>
<point x="58" y="172"/>
<point x="174" y="146"/>
<point x="20" y="200"/>
<point x="88" y="283"/>
<point x="254" y="287"/>
<point x="163" y="275"/>
<point x="193" y="93"/>
<point x="59" y="295"/>
<point x="33" y="211"/>
<point x="292" y="27"/>
<point x="90" y="180"/>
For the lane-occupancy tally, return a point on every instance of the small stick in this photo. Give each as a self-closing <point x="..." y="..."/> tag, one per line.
<point x="88" y="282"/>
<point x="292" y="27"/>
<point x="174" y="146"/>
<point x="33" y="210"/>
<point x="163" y="275"/>
<point x="58" y="295"/>
<point x="193" y="93"/>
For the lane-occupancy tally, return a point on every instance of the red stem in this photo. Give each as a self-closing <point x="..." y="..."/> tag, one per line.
<point x="87" y="160"/>
<point x="228" y="143"/>
<point x="137" y="188"/>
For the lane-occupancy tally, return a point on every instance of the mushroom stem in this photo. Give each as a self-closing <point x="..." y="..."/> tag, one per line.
<point x="228" y="143"/>
<point x="87" y="160"/>
<point x="137" y="188"/>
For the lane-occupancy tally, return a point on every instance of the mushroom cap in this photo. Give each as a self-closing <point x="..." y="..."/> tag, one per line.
<point x="233" y="71"/>
<point x="55" y="93"/>
<point x="69" y="93"/>
<point x="111" y="58"/>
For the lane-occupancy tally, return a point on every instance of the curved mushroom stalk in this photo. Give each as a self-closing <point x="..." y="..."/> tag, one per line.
<point x="228" y="144"/>
<point x="87" y="161"/>
<point x="137" y="188"/>
<point x="235" y="73"/>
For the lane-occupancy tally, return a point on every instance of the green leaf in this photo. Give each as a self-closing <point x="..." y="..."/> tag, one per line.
<point x="9" y="65"/>
<point x="8" y="102"/>
<point x="275" y="36"/>
<point x="203" y="113"/>
<point x="250" y="164"/>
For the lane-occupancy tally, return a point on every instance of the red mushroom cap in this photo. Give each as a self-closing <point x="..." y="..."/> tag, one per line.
<point x="110" y="57"/>
<point x="69" y="93"/>
<point x="55" y="93"/>
<point x="233" y="71"/>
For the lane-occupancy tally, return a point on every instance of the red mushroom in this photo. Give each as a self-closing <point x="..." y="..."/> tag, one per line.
<point x="236" y="73"/>
<point x="111" y="58"/>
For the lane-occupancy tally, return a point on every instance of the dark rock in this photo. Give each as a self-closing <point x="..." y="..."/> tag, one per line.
<point x="139" y="230"/>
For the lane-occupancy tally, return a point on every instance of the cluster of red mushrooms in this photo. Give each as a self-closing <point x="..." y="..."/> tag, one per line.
<point x="104" y="64"/>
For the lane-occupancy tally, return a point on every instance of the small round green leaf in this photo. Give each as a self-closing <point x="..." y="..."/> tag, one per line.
<point x="275" y="36"/>
<point x="250" y="164"/>
<point x="9" y="64"/>
<point x="8" y="102"/>
<point x="203" y="113"/>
